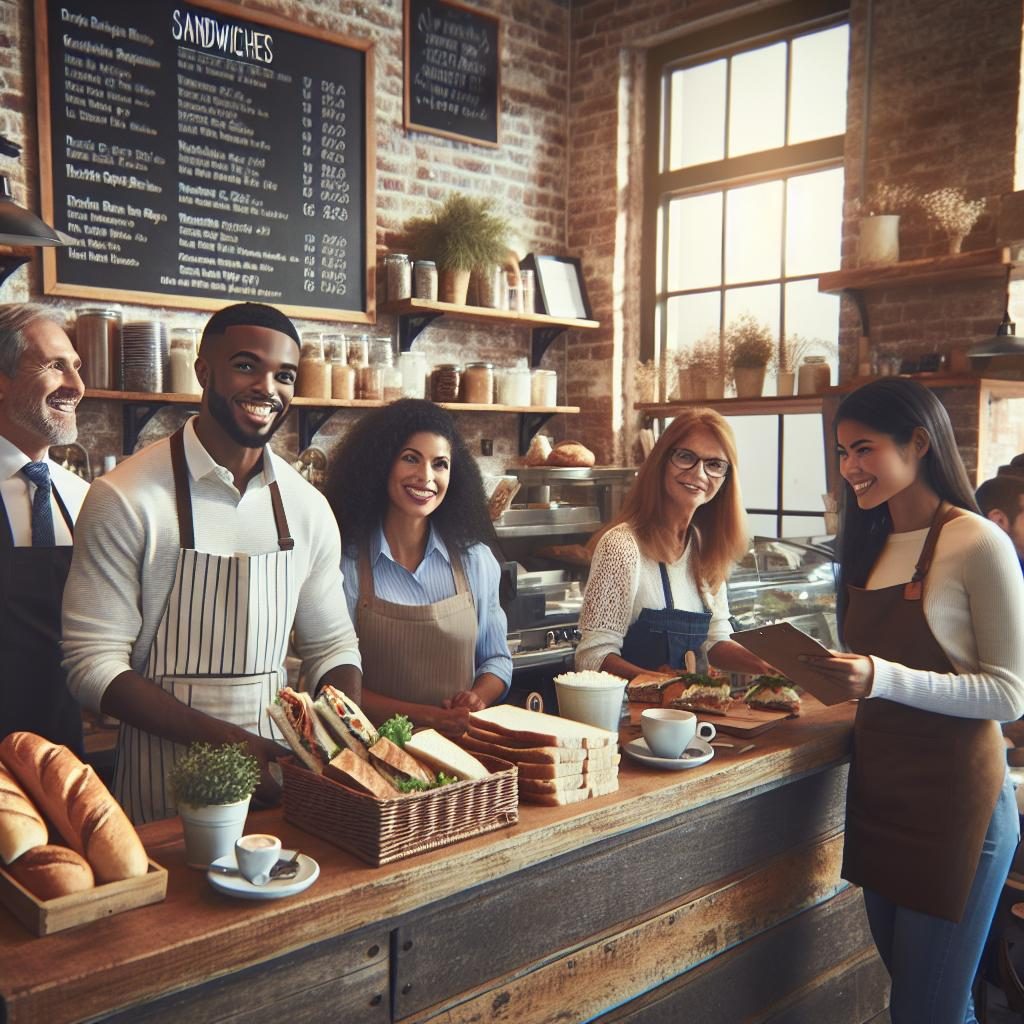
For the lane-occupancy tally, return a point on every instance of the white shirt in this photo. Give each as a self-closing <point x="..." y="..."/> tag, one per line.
<point x="973" y="602"/>
<point x="126" y="551"/>
<point x="18" y="493"/>
<point x="622" y="582"/>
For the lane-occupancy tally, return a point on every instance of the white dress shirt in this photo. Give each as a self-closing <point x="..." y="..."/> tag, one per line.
<point x="126" y="551"/>
<point x="17" y="495"/>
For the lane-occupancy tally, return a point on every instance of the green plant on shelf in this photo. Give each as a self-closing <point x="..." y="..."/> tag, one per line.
<point x="463" y="232"/>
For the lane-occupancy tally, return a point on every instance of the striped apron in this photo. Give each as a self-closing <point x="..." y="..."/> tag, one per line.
<point x="422" y="653"/>
<point x="219" y="648"/>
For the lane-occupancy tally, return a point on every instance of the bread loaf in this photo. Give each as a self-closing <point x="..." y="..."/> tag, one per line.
<point x="52" y="871"/>
<point x="80" y="807"/>
<point x="21" y="827"/>
<point x="571" y="453"/>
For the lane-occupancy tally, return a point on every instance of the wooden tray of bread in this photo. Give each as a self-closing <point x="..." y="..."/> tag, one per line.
<point x="44" y="917"/>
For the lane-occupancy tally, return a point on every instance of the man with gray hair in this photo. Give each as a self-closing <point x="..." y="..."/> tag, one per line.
<point x="39" y="501"/>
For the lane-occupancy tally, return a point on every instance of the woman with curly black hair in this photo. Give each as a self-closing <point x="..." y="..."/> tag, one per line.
<point x="420" y="579"/>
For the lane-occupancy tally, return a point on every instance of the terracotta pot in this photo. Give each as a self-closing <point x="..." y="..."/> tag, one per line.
<point x="749" y="381"/>
<point x="453" y="286"/>
<point x="879" y="239"/>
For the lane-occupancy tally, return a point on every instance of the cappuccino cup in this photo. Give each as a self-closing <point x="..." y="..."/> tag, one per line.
<point x="256" y="854"/>
<point x="669" y="730"/>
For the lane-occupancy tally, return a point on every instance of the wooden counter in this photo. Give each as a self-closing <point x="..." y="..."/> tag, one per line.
<point x="676" y="898"/>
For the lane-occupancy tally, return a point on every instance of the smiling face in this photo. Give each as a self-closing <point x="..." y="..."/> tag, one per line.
<point x="37" y="405"/>
<point x="419" y="475"/>
<point x="874" y="465"/>
<point x="248" y="378"/>
<point x="688" y="489"/>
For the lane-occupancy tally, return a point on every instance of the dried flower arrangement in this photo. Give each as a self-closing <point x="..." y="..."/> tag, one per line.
<point x="749" y="342"/>
<point x="701" y="368"/>
<point x="795" y="346"/>
<point x="951" y="210"/>
<point x="887" y="199"/>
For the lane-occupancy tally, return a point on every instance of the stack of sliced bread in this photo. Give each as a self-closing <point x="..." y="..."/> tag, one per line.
<point x="559" y="761"/>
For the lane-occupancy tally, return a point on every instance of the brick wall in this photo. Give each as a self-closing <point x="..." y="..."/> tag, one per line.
<point x="526" y="175"/>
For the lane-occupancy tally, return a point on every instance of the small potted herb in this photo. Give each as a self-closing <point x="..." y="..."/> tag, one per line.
<point x="701" y="369"/>
<point x="212" y="786"/>
<point x="879" y="240"/>
<point x="751" y="348"/>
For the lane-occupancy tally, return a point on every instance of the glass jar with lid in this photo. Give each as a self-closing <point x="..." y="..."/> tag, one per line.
<point x="514" y="386"/>
<point x="181" y="361"/>
<point x="814" y="376"/>
<point x="413" y="367"/>
<point x="358" y="350"/>
<point x="343" y="376"/>
<point x="477" y="385"/>
<point x="425" y="280"/>
<point x="98" y="343"/>
<point x="444" y="382"/>
<point x="543" y="388"/>
<point x="398" y="271"/>
<point x="314" y="377"/>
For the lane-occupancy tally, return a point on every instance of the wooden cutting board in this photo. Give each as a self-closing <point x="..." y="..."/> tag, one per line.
<point x="739" y="720"/>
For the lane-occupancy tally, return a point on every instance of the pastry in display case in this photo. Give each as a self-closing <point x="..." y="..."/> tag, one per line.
<point x="789" y="579"/>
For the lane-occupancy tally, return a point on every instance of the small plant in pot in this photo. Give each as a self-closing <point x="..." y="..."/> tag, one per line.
<point x="880" y="222"/>
<point x="701" y="369"/>
<point x="751" y="348"/>
<point x="212" y="786"/>
<point x="951" y="210"/>
<point x="463" y="234"/>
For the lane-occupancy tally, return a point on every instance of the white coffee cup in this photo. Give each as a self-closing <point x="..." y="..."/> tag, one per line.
<point x="669" y="730"/>
<point x="256" y="854"/>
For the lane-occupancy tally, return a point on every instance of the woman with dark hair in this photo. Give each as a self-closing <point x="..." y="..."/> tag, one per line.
<point x="930" y="604"/>
<point x="419" y="577"/>
<point x="656" y="589"/>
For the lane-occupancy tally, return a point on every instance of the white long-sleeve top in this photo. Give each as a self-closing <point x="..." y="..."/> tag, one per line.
<point x="974" y="605"/>
<point x="126" y="550"/>
<point x="622" y="582"/>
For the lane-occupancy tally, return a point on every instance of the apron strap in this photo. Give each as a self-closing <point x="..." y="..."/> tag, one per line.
<point x="666" y="586"/>
<point x="914" y="590"/>
<point x="461" y="583"/>
<point x="366" y="591"/>
<point x="64" y="511"/>
<point x="183" y="499"/>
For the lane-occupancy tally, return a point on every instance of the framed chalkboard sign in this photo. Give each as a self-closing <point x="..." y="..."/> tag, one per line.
<point x="452" y="71"/>
<point x="205" y="153"/>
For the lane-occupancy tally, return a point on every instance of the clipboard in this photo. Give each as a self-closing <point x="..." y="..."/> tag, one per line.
<point x="780" y="644"/>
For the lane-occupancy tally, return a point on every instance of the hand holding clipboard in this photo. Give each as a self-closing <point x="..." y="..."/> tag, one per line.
<point x="783" y="645"/>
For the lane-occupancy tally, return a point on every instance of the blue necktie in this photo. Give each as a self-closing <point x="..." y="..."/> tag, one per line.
<point x="42" y="513"/>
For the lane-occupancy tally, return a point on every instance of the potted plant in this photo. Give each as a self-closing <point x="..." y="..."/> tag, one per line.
<point x="951" y="210"/>
<point x="751" y="348"/>
<point x="701" y="369"/>
<point x="880" y="223"/>
<point x="212" y="786"/>
<point x="462" y="234"/>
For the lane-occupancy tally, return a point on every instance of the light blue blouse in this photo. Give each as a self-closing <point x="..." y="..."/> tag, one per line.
<point x="434" y="581"/>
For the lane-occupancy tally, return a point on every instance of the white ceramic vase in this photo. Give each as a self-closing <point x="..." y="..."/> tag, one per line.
<point x="879" y="239"/>
<point x="211" y="831"/>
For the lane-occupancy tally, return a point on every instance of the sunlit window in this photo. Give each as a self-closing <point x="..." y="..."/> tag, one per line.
<point x="745" y="214"/>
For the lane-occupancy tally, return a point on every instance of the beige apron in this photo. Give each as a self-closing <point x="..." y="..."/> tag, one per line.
<point x="219" y="648"/>
<point x="421" y="653"/>
<point x="923" y="785"/>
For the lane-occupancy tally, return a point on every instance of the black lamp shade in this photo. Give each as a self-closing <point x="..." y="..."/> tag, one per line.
<point x="1005" y="342"/>
<point x="19" y="226"/>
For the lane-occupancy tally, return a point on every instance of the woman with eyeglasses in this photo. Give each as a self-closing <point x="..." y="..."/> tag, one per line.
<point x="657" y="580"/>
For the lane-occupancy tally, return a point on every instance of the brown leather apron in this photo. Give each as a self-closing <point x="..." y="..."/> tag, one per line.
<point x="923" y="785"/>
<point x="422" y="653"/>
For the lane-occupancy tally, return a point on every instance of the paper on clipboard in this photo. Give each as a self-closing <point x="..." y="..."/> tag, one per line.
<point x="781" y="644"/>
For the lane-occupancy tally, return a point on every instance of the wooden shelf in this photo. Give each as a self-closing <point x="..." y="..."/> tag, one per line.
<point x="961" y="266"/>
<point x="769" y="405"/>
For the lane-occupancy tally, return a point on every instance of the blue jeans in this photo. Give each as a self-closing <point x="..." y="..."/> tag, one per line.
<point x="932" y="962"/>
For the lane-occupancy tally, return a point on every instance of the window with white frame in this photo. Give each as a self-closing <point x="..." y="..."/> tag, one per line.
<point x="743" y="212"/>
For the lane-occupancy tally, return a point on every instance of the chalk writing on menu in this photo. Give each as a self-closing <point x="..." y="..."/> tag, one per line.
<point x="452" y="70"/>
<point x="196" y="155"/>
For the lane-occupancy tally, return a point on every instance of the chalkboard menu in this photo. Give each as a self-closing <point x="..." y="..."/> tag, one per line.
<point x="206" y="153"/>
<point x="452" y="70"/>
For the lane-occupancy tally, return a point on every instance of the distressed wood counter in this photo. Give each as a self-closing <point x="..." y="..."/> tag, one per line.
<point x="711" y="894"/>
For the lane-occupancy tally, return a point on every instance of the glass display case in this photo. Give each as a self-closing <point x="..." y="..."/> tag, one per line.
<point x="787" y="580"/>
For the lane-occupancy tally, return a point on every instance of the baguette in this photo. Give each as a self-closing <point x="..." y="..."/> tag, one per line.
<point x="80" y="807"/>
<point x="21" y="827"/>
<point x="351" y="770"/>
<point x="49" y="872"/>
<point x="438" y="752"/>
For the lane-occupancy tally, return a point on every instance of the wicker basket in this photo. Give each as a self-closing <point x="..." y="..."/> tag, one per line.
<point x="380" y="831"/>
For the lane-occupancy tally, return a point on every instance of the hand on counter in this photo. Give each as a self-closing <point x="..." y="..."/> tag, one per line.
<point x="468" y="699"/>
<point x="855" y="671"/>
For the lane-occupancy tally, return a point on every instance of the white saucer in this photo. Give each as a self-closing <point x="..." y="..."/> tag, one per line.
<point x="639" y="751"/>
<point x="275" y="889"/>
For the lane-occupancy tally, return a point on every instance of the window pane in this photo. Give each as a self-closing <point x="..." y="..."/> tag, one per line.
<point x="691" y="317"/>
<point x="814" y="316"/>
<point x="697" y="115"/>
<point x="757" y="442"/>
<point x="760" y="302"/>
<point x="817" y="102"/>
<point x="757" y="102"/>
<point x="814" y="217"/>
<point x="695" y="242"/>
<point x="803" y="463"/>
<point x="803" y="526"/>
<point x="762" y="526"/>
<point x="753" y="240"/>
